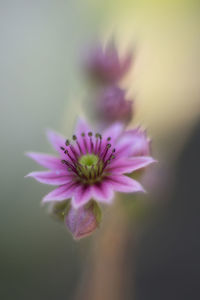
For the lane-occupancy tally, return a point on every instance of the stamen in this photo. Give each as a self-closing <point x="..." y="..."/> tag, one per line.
<point x="72" y="159"/>
<point x="74" y="151"/>
<point x="105" y="151"/>
<point x="67" y="143"/>
<point x="84" y="141"/>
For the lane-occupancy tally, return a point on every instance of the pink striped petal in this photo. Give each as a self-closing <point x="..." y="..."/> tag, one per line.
<point x="61" y="193"/>
<point x="102" y="192"/>
<point x="82" y="127"/>
<point x="134" y="143"/>
<point x="56" y="140"/>
<point x="81" y="196"/>
<point x="52" y="177"/>
<point x="46" y="160"/>
<point x="129" y="165"/>
<point x="113" y="131"/>
<point x="125" y="184"/>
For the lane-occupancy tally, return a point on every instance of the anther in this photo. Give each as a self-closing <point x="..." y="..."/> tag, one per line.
<point x="109" y="138"/>
<point x="62" y="148"/>
<point x="108" y="146"/>
<point x="74" y="137"/>
<point x="113" y="150"/>
<point x="82" y="134"/>
<point x="90" y="133"/>
<point x="67" y="143"/>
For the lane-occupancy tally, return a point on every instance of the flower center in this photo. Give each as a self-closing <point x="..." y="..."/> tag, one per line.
<point x="88" y="157"/>
<point x="89" y="160"/>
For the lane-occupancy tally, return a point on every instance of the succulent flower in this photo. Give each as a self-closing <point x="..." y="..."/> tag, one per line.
<point x="111" y="106"/>
<point x="105" y="65"/>
<point x="92" y="165"/>
<point x="83" y="221"/>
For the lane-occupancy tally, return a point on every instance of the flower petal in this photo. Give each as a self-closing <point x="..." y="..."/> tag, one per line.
<point x="52" y="177"/>
<point x="134" y="143"/>
<point x="61" y="193"/>
<point x="102" y="192"/>
<point x="56" y="140"/>
<point x="46" y="160"/>
<point x="81" y="127"/>
<point x="129" y="165"/>
<point x="82" y="195"/>
<point x="125" y="184"/>
<point x="113" y="131"/>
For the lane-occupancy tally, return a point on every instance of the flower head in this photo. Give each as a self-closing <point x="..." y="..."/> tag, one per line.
<point x="92" y="165"/>
<point x="105" y="65"/>
<point x="111" y="106"/>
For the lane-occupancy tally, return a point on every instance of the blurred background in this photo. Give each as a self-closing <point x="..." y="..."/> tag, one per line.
<point x="41" y="87"/>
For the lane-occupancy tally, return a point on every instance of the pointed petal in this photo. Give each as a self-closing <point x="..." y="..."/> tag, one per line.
<point x="134" y="143"/>
<point x="61" y="193"/>
<point x="113" y="131"/>
<point x="81" y="127"/>
<point x="82" y="196"/>
<point x="46" y="160"/>
<point x="56" y="140"/>
<point x="103" y="192"/>
<point x="52" y="177"/>
<point x="125" y="184"/>
<point x="129" y="165"/>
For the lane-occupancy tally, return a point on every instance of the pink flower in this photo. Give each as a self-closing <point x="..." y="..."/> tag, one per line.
<point x="105" y="66"/>
<point x="111" y="106"/>
<point x="93" y="166"/>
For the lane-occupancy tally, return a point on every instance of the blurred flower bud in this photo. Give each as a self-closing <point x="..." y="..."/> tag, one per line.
<point x="104" y="65"/>
<point x="112" y="106"/>
<point x="83" y="221"/>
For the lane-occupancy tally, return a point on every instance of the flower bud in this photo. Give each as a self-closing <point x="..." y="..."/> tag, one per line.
<point x="83" y="221"/>
<point x="105" y="65"/>
<point x="112" y="106"/>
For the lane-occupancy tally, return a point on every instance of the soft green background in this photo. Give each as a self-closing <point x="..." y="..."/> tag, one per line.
<point x="41" y="87"/>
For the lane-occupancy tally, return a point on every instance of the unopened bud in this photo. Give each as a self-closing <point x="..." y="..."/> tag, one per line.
<point x="112" y="106"/>
<point x="105" y="65"/>
<point x="83" y="221"/>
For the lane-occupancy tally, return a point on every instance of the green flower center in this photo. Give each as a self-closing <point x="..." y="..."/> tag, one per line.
<point x="89" y="160"/>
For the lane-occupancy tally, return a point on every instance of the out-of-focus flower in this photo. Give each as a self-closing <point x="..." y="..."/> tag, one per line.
<point x="111" y="106"/>
<point x="142" y="143"/>
<point x="84" y="220"/>
<point x="105" y="65"/>
<point x="92" y="166"/>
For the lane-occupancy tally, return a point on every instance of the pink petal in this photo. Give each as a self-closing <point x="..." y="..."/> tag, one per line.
<point x="124" y="146"/>
<point x="82" y="127"/>
<point x="82" y="195"/>
<point x="129" y="165"/>
<point x="56" y="140"/>
<point x="125" y="184"/>
<point x="102" y="192"/>
<point x="113" y="131"/>
<point x="46" y="160"/>
<point x="52" y="177"/>
<point x="134" y="143"/>
<point x="61" y="193"/>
